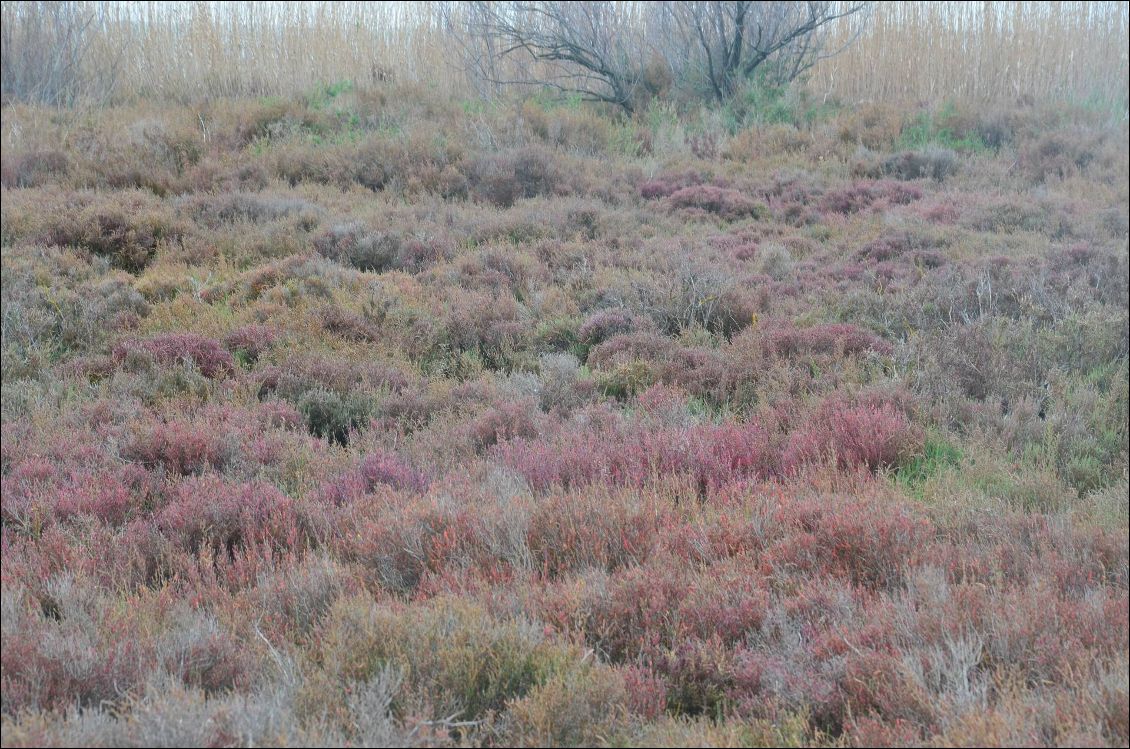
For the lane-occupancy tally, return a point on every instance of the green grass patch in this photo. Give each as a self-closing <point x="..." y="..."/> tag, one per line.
<point x="938" y="454"/>
<point x="930" y="129"/>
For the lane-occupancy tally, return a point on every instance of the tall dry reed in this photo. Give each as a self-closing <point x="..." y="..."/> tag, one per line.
<point x="900" y="52"/>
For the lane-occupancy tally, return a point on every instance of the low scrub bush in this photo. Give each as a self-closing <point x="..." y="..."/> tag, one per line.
<point x="372" y="417"/>
<point x="503" y="179"/>
<point x="127" y="231"/>
<point x="355" y="245"/>
<point x="726" y="203"/>
<point x="331" y="416"/>
<point x="181" y="448"/>
<point x="667" y="184"/>
<point x="249" y="342"/>
<point x="843" y="339"/>
<point x="205" y="354"/>
<point x="866" y="435"/>
<point x="864" y="195"/>
<point x="930" y="163"/>
<point x="33" y="168"/>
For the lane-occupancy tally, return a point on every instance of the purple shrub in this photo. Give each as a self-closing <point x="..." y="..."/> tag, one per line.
<point x="378" y="468"/>
<point x="275" y="414"/>
<point x="710" y="455"/>
<point x="933" y="163"/>
<point x="738" y="246"/>
<point x="206" y="354"/>
<point x="724" y="202"/>
<point x="250" y="341"/>
<point x="386" y="468"/>
<point x="889" y="247"/>
<point x="647" y="692"/>
<point x="666" y="184"/>
<point x="180" y="447"/>
<point x="861" y="539"/>
<point x="356" y="245"/>
<point x="622" y="349"/>
<point x="348" y="325"/>
<point x="863" y="195"/>
<point x="112" y="500"/>
<point x="835" y="338"/>
<point x="512" y="433"/>
<point x="299" y="373"/>
<point x="209" y="513"/>
<point x="870" y="435"/>
<point x="501" y="423"/>
<point x="504" y="178"/>
<point x="602" y="325"/>
<point x="33" y="168"/>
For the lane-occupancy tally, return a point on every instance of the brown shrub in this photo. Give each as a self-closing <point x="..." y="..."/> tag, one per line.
<point x="502" y="179"/>
<point x="127" y="229"/>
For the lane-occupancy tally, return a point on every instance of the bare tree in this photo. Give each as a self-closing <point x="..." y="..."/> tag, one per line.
<point x="475" y="52"/>
<point x="589" y="48"/>
<point x="736" y="39"/>
<point x="604" y="51"/>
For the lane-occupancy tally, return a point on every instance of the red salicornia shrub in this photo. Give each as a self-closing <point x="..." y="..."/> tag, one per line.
<point x="180" y="447"/>
<point x="206" y="354"/>
<point x="209" y="512"/>
<point x="378" y="468"/>
<point x="862" y="195"/>
<point x="837" y="338"/>
<point x="373" y="418"/>
<point x="870" y="435"/>
<point x="250" y="341"/>
<point x="724" y="202"/>
<point x="666" y="184"/>
<point x="602" y="325"/>
<point x="711" y="455"/>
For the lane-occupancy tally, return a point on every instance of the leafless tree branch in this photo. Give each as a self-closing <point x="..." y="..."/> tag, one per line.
<point x="605" y="51"/>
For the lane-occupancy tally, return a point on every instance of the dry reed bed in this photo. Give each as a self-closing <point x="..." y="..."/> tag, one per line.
<point x="905" y="52"/>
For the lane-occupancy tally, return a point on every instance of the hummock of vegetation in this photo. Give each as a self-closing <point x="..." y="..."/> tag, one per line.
<point x="378" y="416"/>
